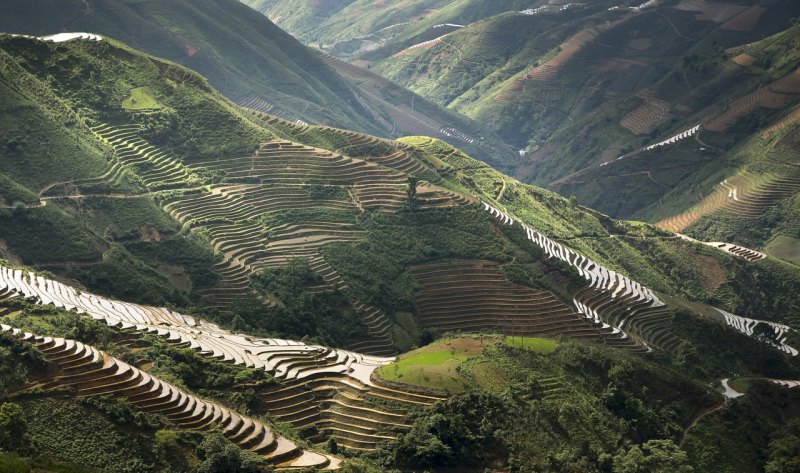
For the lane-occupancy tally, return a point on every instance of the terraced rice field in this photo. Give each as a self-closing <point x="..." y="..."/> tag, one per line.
<point x="344" y="409"/>
<point x="398" y="158"/>
<point x="474" y="296"/>
<point x="330" y="389"/>
<point x="747" y="327"/>
<point x="782" y="123"/>
<point x="776" y="95"/>
<point x="746" y="194"/>
<point x="91" y="372"/>
<point x="283" y="171"/>
<point x="620" y="306"/>
<point x="566" y="51"/>
<point x="281" y="176"/>
<point x="787" y="383"/>
<point x="646" y="117"/>
<point x="254" y="102"/>
<point x="157" y="169"/>
<point x="712" y="203"/>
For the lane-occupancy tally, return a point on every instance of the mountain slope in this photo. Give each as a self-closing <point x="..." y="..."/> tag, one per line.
<point x="578" y="86"/>
<point x="604" y="101"/>
<point x="349" y="28"/>
<point x="330" y="209"/>
<point x="247" y="58"/>
<point x="240" y="52"/>
<point x="202" y="240"/>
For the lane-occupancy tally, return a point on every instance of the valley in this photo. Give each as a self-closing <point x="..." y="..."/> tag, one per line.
<point x="443" y="235"/>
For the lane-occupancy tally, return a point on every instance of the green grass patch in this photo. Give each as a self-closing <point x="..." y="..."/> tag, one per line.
<point x="742" y="385"/>
<point x="784" y="247"/>
<point x="535" y="344"/>
<point x="437" y="366"/>
<point x="141" y="98"/>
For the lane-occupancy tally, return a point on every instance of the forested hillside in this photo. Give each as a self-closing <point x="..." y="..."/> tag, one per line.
<point x="253" y="63"/>
<point x="671" y="112"/>
<point x="188" y="284"/>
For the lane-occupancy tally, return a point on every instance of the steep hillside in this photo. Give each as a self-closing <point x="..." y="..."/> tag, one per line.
<point x="255" y="64"/>
<point x="665" y="112"/>
<point x="176" y="265"/>
<point x="576" y="87"/>
<point x="240" y="52"/>
<point x="197" y="199"/>
<point x="348" y="28"/>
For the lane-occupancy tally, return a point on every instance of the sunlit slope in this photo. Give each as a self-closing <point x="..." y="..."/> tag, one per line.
<point x="253" y="217"/>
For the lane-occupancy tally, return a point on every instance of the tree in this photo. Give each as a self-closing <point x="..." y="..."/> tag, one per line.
<point x="654" y="456"/>
<point x="221" y="456"/>
<point x="412" y="191"/>
<point x="784" y="450"/>
<point x="333" y="446"/>
<point x="765" y="333"/>
<point x="13" y="428"/>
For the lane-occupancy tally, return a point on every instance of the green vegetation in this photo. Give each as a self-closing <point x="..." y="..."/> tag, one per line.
<point x="784" y="247"/>
<point x="140" y="99"/>
<point x="237" y="49"/>
<point x="538" y="345"/>
<point x="581" y="408"/>
<point x="47" y="235"/>
<point x="322" y="316"/>
<point x="436" y="366"/>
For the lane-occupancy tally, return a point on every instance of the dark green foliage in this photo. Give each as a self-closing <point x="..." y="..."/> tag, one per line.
<point x="12" y="193"/>
<point x="746" y="436"/>
<point x="320" y="192"/>
<point x="784" y="449"/>
<point x="123" y="276"/>
<point x="13" y="427"/>
<point x="580" y="408"/>
<point x="654" y="456"/>
<point x="374" y="268"/>
<point x="190" y="253"/>
<point x="218" y="455"/>
<point x="323" y="316"/>
<point x="121" y="219"/>
<point x="17" y="360"/>
<point x="713" y="349"/>
<point x="459" y="431"/>
<point x="68" y="431"/>
<point x="46" y="235"/>
<point x="13" y="464"/>
<point x="197" y="372"/>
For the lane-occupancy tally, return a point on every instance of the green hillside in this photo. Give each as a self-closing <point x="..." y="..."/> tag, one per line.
<point x="164" y="164"/>
<point x="255" y="64"/>
<point x="286" y="264"/>
<point x="350" y="28"/>
<point x="582" y="90"/>
<point x="240" y="52"/>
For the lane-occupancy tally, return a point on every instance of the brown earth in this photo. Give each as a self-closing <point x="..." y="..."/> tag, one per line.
<point x="640" y="44"/>
<point x="713" y="275"/>
<point x="746" y="20"/>
<point x="711" y="11"/>
<point x="744" y="59"/>
<point x="149" y="233"/>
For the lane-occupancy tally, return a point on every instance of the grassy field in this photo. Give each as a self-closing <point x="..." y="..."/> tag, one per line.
<point x="742" y="385"/>
<point x="535" y="344"/>
<point x="438" y="365"/>
<point x="784" y="247"/>
<point x="458" y="364"/>
<point x="141" y="98"/>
